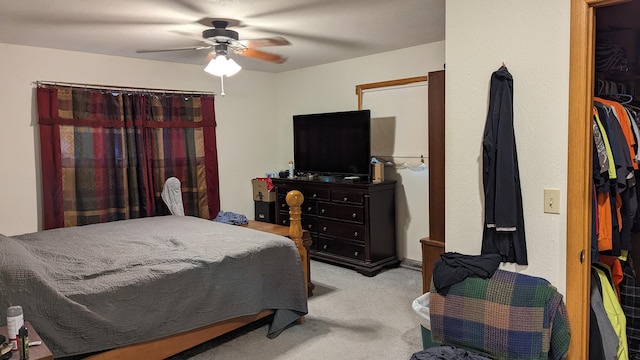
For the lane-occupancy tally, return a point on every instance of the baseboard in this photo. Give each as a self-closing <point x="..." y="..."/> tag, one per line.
<point x="411" y="264"/>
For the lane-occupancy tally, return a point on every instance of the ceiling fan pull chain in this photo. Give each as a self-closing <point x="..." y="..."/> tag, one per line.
<point x="222" y="85"/>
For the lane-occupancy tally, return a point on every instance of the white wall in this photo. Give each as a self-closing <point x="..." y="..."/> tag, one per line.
<point x="245" y="121"/>
<point x="532" y="38"/>
<point x="254" y="118"/>
<point x="331" y="87"/>
<point x="400" y="134"/>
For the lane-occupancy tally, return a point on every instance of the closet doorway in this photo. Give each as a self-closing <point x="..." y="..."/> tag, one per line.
<point x="581" y="87"/>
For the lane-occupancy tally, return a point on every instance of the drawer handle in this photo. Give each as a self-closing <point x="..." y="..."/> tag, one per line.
<point x="354" y="215"/>
<point x="284" y="222"/>
<point x="355" y="234"/>
<point x="324" y="247"/>
<point x="355" y="253"/>
<point x="322" y="211"/>
<point x="324" y="229"/>
<point x="309" y="208"/>
<point x="314" y="196"/>
<point x="345" y="200"/>
<point x="283" y="205"/>
<point x="309" y="226"/>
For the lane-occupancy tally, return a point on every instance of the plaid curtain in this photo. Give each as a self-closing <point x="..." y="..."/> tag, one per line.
<point x="105" y="155"/>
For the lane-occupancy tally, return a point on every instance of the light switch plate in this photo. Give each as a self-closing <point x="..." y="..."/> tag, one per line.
<point x="552" y="201"/>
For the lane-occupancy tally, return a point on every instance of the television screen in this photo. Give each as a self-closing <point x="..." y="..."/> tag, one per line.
<point x="337" y="143"/>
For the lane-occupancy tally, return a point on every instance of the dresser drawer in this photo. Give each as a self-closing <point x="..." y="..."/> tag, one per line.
<point x="308" y="222"/>
<point x="347" y="197"/>
<point x="308" y="207"/>
<point x="309" y="193"/>
<point x="282" y="203"/>
<point x="342" y="230"/>
<point x="341" y="212"/>
<point x="337" y="247"/>
<point x="315" y="194"/>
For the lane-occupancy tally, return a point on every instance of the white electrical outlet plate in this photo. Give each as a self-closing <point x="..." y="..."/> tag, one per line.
<point x="552" y="201"/>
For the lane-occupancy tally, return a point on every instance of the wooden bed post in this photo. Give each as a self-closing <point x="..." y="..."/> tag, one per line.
<point x="294" y="200"/>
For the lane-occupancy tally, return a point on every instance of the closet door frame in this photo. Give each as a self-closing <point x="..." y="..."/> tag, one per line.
<point x="581" y="79"/>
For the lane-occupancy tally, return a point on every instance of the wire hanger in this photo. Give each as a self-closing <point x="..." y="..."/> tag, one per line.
<point x="610" y="89"/>
<point x="623" y="99"/>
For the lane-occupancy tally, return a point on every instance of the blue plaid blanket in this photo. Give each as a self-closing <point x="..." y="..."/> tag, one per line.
<point x="508" y="316"/>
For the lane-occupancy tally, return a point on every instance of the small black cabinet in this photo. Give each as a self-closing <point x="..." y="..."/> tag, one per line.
<point x="351" y="224"/>
<point x="265" y="211"/>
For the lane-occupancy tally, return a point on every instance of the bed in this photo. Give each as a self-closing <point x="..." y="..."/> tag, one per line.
<point x="154" y="286"/>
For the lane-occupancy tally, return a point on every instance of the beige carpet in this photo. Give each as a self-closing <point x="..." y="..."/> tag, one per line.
<point x="351" y="316"/>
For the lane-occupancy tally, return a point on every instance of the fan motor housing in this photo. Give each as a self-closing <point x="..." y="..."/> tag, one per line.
<point x="220" y="34"/>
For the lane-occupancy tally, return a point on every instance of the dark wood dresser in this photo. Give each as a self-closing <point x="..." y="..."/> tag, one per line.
<point x="351" y="224"/>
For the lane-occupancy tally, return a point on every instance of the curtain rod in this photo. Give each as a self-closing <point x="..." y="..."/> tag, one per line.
<point x="121" y="88"/>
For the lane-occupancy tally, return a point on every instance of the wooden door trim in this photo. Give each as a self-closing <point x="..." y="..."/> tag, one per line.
<point x="397" y="82"/>
<point x="578" y="266"/>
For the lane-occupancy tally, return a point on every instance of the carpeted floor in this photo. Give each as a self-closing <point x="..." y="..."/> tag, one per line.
<point x="351" y="316"/>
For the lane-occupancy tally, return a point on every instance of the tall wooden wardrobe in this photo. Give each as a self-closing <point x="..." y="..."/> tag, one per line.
<point x="433" y="245"/>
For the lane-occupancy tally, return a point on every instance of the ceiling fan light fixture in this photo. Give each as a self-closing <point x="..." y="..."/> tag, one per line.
<point x="222" y="66"/>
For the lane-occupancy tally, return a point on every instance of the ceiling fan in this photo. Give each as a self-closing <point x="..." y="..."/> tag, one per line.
<point x="220" y="40"/>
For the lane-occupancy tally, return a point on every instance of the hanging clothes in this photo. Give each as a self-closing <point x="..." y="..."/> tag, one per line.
<point x="616" y="221"/>
<point x="614" y="312"/>
<point x="630" y="301"/>
<point x="616" y="136"/>
<point x="603" y="339"/>
<point x="622" y="116"/>
<point x="504" y="219"/>
<point x="612" y="267"/>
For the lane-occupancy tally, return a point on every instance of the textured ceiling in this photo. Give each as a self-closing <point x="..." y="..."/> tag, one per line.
<point x="320" y="31"/>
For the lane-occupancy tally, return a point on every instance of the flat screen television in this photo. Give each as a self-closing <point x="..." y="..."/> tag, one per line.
<point x="335" y="144"/>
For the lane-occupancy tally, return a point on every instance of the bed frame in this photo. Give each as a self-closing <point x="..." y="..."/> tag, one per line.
<point x="171" y="345"/>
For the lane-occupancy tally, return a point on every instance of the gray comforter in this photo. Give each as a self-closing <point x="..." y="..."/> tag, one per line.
<point x="96" y="287"/>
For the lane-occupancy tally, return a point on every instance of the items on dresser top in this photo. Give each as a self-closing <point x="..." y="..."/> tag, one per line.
<point x="38" y="350"/>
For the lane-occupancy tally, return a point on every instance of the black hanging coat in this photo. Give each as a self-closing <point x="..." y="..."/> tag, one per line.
<point x="503" y="219"/>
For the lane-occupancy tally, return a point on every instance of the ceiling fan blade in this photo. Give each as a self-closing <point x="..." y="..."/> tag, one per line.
<point x="95" y="20"/>
<point x="298" y="8"/>
<point x="261" y="55"/>
<point x="322" y="39"/>
<point x="200" y="47"/>
<point x="271" y="41"/>
<point x="189" y="5"/>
